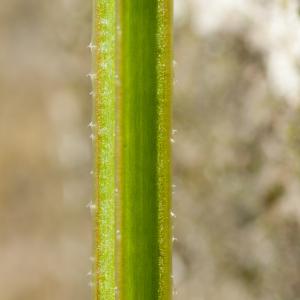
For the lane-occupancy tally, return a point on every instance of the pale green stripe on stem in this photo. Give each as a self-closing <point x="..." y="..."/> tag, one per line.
<point x="105" y="158"/>
<point x="164" y="95"/>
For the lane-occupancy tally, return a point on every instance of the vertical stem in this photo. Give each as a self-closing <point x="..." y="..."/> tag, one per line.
<point x="132" y="115"/>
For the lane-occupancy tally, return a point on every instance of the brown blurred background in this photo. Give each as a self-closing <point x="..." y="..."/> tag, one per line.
<point x="236" y="151"/>
<point x="45" y="154"/>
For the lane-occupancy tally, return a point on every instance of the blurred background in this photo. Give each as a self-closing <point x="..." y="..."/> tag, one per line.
<point x="236" y="151"/>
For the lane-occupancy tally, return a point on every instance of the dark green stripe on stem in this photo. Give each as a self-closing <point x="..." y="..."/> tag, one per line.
<point x="145" y="224"/>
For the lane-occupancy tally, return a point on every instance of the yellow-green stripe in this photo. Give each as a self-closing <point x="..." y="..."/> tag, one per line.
<point x="105" y="157"/>
<point x="164" y="95"/>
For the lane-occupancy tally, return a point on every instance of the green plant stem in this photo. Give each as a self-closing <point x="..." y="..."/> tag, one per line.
<point x="133" y="63"/>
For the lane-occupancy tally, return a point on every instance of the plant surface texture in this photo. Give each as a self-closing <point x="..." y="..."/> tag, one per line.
<point x="132" y="83"/>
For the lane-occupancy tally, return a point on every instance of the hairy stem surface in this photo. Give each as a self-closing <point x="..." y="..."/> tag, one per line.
<point x="132" y="62"/>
